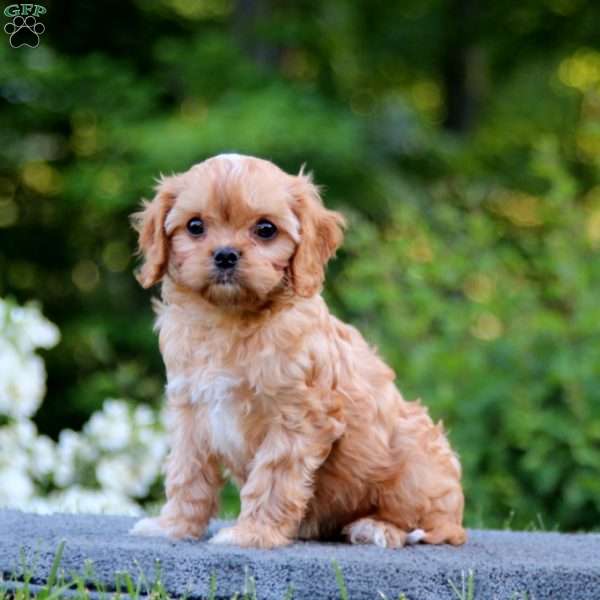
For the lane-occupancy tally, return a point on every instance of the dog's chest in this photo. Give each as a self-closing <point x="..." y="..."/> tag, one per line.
<point x="226" y="384"/>
<point x="224" y="406"/>
<point x="219" y="398"/>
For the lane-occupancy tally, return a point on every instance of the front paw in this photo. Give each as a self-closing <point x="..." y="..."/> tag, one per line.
<point x="250" y="535"/>
<point x="167" y="527"/>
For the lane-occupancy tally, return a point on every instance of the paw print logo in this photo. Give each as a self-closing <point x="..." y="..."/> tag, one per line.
<point x="24" y="31"/>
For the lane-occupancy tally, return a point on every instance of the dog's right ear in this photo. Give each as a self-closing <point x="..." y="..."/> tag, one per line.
<point x="149" y="222"/>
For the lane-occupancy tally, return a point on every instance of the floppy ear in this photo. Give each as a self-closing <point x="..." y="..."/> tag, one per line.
<point x="153" y="244"/>
<point x="321" y="233"/>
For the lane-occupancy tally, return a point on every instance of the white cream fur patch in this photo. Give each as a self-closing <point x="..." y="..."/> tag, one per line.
<point x="149" y="527"/>
<point x="415" y="536"/>
<point x="215" y="390"/>
<point x="237" y="162"/>
<point x="225" y="536"/>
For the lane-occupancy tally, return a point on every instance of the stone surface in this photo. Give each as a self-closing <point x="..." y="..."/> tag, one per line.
<point x="506" y="565"/>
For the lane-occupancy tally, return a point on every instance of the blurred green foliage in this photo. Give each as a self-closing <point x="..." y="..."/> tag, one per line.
<point x="462" y="140"/>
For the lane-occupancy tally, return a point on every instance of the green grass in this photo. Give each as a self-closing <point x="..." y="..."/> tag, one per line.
<point x="78" y="586"/>
<point x="467" y="587"/>
<point x="21" y="585"/>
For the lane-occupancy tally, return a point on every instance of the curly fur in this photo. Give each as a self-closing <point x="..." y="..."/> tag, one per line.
<point x="264" y="381"/>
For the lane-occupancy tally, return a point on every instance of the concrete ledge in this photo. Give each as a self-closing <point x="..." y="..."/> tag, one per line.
<point x="506" y="565"/>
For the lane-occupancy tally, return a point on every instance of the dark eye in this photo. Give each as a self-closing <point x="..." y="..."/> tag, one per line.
<point x="265" y="230"/>
<point x="195" y="226"/>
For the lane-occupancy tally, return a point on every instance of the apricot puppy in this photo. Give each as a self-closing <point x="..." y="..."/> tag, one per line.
<point x="264" y="381"/>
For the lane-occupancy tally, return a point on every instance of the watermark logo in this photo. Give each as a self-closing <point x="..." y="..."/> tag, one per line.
<point x="24" y="29"/>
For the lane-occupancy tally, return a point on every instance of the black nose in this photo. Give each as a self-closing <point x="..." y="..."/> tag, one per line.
<point x="226" y="258"/>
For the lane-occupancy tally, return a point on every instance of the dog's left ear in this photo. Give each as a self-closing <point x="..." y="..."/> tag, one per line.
<point x="321" y="233"/>
<point x="149" y="222"/>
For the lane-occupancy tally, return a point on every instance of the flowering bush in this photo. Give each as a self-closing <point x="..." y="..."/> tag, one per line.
<point x="109" y="466"/>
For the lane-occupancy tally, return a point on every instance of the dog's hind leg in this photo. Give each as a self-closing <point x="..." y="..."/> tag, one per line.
<point x="371" y="530"/>
<point x="443" y="531"/>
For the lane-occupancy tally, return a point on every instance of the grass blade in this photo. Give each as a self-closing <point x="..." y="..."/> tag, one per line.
<point x="55" y="564"/>
<point x="212" y="586"/>
<point x="339" y="577"/>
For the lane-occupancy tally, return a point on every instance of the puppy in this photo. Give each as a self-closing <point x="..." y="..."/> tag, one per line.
<point x="264" y="381"/>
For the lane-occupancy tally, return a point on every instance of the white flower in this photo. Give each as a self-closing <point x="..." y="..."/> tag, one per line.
<point x="15" y="487"/>
<point x="72" y="448"/>
<point x="43" y="456"/>
<point x="39" y="505"/>
<point x="143" y="416"/>
<point x="64" y="469"/>
<point x="157" y="447"/>
<point x="126" y="475"/>
<point x="121" y="447"/>
<point x="64" y="473"/>
<point x="30" y="387"/>
<point x="22" y="372"/>
<point x="10" y="364"/>
<point x="34" y="330"/>
<point x="26" y="432"/>
<point x="12" y="453"/>
<point x="22" y="382"/>
<point x="111" y="427"/>
<point x="115" y="473"/>
<point x="82" y="500"/>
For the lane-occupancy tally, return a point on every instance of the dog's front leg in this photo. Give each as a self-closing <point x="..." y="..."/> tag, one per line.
<point x="280" y="484"/>
<point x="192" y="481"/>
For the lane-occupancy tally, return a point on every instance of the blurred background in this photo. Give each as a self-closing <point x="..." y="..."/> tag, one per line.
<point x="461" y="138"/>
